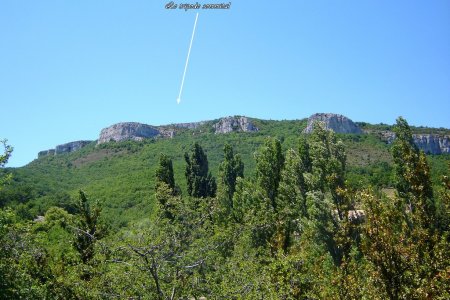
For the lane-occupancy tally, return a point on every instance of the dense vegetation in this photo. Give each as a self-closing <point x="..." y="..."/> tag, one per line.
<point x="267" y="215"/>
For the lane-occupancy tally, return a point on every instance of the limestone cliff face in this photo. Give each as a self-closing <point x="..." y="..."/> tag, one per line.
<point x="137" y="131"/>
<point x="334" y="122"/>
<point x="166" y="131"/>
<point x="387" y="136"/>
<point x="70" y="147"/>
<point x="127" y="131"/>
<point x="46" y="152"/>
<point x="64" y="148"/>
<point x="231" y="124"/>
<point x="428" y="143"/>
<point x="432" y="143"/>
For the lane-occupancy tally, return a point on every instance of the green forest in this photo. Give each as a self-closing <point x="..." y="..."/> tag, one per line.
<point x="273" y="214"/>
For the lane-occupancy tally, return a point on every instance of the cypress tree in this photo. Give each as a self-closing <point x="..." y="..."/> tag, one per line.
<point x="164" y="172"/>
<point x="269" y="163"/>
<point x="200" y="182"/>
<point x="229" y="170"/>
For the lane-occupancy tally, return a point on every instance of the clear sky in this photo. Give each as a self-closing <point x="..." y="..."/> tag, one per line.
<point x="70" y="68"/>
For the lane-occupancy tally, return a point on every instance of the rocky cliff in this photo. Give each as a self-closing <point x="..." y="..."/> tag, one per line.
<point x="386" y="136"/>
<point x="335" y="122"/>
<point x="236" y="123"/>
<point x="70" y="147"/>
<point x="137" y="131"/>
<point x="429" y="143"/>
<point x="432" y="143"/>
<point x="127" y="131"/>
<point x="46" y="152"/>
<point x="64" y="148"/>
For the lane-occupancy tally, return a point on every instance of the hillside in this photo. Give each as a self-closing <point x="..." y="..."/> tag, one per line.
<point x="234" y="208"/>
<point x="121" y="174"/>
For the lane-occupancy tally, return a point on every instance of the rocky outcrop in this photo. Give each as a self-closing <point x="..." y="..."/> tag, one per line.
<point x="137" y="131"/>
<point x="64" y="148"/>
<point x="166" y="132"/>
<point x="39" y="219"/>
<point x="71" y="147"/>
<point x="432" y="143"/>
<point x="232" y="124"/>
<point x="335" y="122"/>
<point x="428" y="143"/>
<point x="127" y="131"/>
<point x="386" y="136"/>
<point x="46" y="153"/>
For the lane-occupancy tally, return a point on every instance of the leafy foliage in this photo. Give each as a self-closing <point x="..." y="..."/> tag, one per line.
<point x="3" y="160"/>
<point x="316" y="216"/>
<point x="88" y="230"/>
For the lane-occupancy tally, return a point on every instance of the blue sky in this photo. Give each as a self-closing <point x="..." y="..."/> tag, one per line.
<point x="70" y="68"/>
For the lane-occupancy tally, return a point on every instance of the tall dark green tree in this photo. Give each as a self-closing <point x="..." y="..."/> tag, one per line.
<point x="256" y="200"/>
<point x="200" y="183"/>
<point x="269" y="163"/>
<point x="88" y="229"/>
<point x="229" y="170"/>
<point x="293" y="186"/>
<point x="291" y="199"/>
<point x="166" y="192"/>
<point x="164" y="172"/>
<point x="328" y="161"/>
<point x="293" y="189"/>
<point x="327" y="201"/>
<point x="303" y="151"/>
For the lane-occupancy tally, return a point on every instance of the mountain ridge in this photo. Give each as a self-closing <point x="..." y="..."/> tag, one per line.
<point x="121" y="174"/>
<point x="430" y="143"/>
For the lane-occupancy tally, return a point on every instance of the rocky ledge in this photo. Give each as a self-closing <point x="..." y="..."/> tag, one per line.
<point x="137" y="131"/>
<point x="64" y="148"/>
<point x="46" y="153"/>
<point x="432" y="143"/>
<point x="335" y="122"/>
<point x="234" y="124"/>
<point x="71" y="147"/>
<point x="428" y="143"/>
<point x="127" y="131"/>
